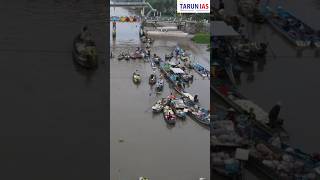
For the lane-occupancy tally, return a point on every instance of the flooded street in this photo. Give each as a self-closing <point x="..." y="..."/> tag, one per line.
<point x="288" y="74"/>
<point x="54" y="115"/>
<point x="151" y="148"/>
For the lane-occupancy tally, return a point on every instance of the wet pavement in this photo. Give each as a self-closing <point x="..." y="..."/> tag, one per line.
<point x="54" y="115"/>
<point x="150" y="147"/>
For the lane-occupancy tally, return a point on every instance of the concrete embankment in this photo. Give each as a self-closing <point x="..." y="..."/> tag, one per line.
<point x="168" y="33"/>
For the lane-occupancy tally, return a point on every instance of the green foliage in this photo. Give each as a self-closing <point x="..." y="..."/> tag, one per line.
<point x="201" y="38"/>
<point x="163" y="6"/>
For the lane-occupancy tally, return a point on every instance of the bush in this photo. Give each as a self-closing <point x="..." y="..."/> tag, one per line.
<point x="201" y="38"/>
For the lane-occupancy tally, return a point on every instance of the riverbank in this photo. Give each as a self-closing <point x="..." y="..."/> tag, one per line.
<point x="201" y="38"/>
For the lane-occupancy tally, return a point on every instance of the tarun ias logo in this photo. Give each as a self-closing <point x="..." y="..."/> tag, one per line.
<point x="193" y="6"/>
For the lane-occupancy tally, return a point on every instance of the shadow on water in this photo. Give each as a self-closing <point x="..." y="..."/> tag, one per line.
<point x="89" y="74"/>
<point x="299" y="52"/>
<point x="261" y="64"/>
<point x="317" y="53"/>
<point x="316" y="3"/>
<point x="248" y="72"/>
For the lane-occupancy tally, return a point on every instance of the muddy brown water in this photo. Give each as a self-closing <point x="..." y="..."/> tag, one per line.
<point x="150" y="147"/>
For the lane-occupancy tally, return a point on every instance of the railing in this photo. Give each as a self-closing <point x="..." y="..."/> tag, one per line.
<point x="132" y="4"/>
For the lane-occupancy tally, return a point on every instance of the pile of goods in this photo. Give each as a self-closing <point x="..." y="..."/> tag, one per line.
<point x="224" y="134"/>
<point x="261" y="115"/>
<point x="226" y="162"/>
<point x="284" y="165"/>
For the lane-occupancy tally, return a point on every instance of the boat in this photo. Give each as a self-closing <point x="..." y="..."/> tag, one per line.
<point x="143" y="178"/>
<point x="187" y="77"/>
<point x="201" y="70"/>
<point x="141" y="32"/>
<point x="146" y="40"/>
<point x="122" y="19"/>
<point x="169" y="56"/>
<point x="178" y="51"/>
<point x="133" y="56"/>
<point x="225" y="132"/>
<point x="156" y="59"/>
<point x="139" y="55"/>
<point x="173" y="76"/>
<point x="149" y="40"/>
<point x="159" y="85"/>
<point x="250" y="10"/>
<point x="277" y="164"/>
<point x="200" y="114"/>
<point x="290" y="26"/>
<point x="188" y="64"/>
<point x="169" y="115"/>
<point x="120" y="57"/>
<point x="127" y="57"/>
<point x="184" y="58"/>
<point x="225" y="164"/>
<point x="153" y="65"/>
<point x="250" y="50"/>
<point x="179" y="108"/>
<point x="316" y="41"/>
<point x="114" y="18"/>
<point x="152" y="79"/>
<point x="224" y="88"/>
<point x="148" y="48"/>
<point x="158" y="106"/>
<point x="181" y="113"/>
<point x="136" y="78"/>
<point x="85" y="52"/>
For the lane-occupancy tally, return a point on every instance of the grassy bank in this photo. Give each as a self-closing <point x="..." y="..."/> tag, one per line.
<point x="201" y="38"/>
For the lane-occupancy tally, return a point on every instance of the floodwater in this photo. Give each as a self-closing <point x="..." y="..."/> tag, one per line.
<point x="54" y="120"/>
<point x="150" y="148"/>
<point x="288" y="75"/>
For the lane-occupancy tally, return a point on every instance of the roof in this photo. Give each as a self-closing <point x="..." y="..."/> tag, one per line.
<point x="177" y="70"/>
<point x="220" y="28"/>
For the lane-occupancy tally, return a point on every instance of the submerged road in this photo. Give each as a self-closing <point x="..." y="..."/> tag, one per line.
<point x="54" y="116"/>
